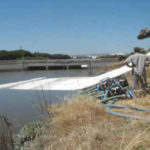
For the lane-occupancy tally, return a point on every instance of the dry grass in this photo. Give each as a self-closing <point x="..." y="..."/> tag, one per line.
<point x="142" y="101"/>
<point x="139" y="142"/>
<point x="110" y="67"/>
<point x="78" y="111"/>
<point x="82" y="124"/>
<point x="6" y="137"/>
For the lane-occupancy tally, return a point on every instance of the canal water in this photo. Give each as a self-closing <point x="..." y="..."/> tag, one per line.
<point x="22" y="106"/>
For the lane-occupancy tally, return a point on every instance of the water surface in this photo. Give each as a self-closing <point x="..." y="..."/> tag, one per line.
<point x="21" y="106"/>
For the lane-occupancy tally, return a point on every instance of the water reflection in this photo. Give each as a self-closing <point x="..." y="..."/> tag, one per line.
<point x="21" y="106"/>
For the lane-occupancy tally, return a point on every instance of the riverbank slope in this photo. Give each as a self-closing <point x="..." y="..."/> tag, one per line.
<point x="82" y="123"/>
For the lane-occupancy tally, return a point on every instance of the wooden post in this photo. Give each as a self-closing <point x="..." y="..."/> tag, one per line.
<point x="90" y="67"/>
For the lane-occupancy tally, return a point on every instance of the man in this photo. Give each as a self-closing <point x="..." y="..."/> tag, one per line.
<point x="137" y="62"/>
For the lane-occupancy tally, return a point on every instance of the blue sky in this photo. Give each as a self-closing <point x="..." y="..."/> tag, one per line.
<point x="73" y="26"/>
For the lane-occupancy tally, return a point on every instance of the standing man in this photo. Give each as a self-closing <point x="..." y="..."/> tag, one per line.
<point x="137" y="62"/>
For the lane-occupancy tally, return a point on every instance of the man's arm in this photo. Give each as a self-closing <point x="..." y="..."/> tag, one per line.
<point x="128" y="62"/>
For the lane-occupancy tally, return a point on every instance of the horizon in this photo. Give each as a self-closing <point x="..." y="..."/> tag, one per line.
<point x="103" y="53"/>
<point x="74" y="27"/>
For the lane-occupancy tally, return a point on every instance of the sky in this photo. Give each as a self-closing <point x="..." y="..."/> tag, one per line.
<point x="73" y="26"/>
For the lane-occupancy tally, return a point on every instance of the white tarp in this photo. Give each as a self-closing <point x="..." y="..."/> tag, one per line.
<point x="65" y="83"/>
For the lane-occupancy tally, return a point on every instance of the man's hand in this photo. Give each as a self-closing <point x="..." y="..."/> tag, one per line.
<point x="128" y="64"/>
<point x="147" y="63"/>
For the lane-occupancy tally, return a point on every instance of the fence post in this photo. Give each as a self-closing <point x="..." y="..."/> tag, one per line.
<point x="90" y="67"/>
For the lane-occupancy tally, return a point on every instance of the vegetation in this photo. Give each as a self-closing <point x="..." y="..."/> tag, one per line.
<point x="50" y="56"/>
<point x="24" y="54"/>
<point x="82" y="123"/>
<point x="6" y="137"/>
<point x="27" y="135"/>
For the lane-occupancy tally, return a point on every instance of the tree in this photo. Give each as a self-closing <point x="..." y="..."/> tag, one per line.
<point x="41" y="55"/>
<point x="23" y="54"/>
<point x="60" y="56"/>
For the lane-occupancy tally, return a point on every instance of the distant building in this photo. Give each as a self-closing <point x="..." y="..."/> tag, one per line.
<point x="117" y="54"/>
<point x="84" y="56"/>
<point x="80" y="56"/>
<point x="94" y="56"/>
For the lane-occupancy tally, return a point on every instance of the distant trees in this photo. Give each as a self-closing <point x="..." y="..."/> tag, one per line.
<point x="4" y="55"/>
<point x="24" y="54"/>
<point x="16" y="54"/>
<point x="60" y="56"/>
<point x="51" y="56"/>
<point x="41" y="55"/>
<point x="21" y="53"/>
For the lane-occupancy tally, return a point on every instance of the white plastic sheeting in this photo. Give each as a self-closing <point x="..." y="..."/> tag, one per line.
<point x="65" y="83"/>
<point x="68" y="83"/>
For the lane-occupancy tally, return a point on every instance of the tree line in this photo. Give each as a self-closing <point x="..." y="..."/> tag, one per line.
<point x="25" y="54"/>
